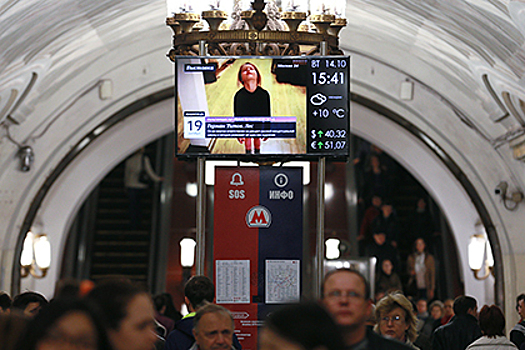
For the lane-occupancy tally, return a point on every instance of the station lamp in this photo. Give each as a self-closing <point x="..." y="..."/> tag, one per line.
<point x="36" y="255"/>
<point x="480" y="256"/>
<point x="187" y="257"/>
<point x="187" y="252"/>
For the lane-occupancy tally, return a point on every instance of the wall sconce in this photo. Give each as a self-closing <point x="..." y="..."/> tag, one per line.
<point x="478" y="249"/>
<point x="515" y="197"/>
<point x="36" y="255"/>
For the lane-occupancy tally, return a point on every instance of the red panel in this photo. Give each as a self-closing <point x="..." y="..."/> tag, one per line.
<point x="246" y="324"/>
<point x="233" y="239"/>
<point x="236" y="191"/>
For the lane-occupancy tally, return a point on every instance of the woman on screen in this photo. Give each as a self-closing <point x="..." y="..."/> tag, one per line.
<point x="251" y="101"/>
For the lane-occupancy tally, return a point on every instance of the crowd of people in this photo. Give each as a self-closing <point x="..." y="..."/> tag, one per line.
<point x="409" y="250"/>
<point x="120" y="315"/>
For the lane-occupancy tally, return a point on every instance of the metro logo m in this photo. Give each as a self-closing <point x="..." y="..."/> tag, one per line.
<point x="258" y="216"/>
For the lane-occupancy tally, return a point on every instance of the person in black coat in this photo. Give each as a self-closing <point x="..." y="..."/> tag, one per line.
<point x="462" y="329"/>
<point x="386" y="222"/>
<point x="517" y="334"/>
<point x="382" y="250"/>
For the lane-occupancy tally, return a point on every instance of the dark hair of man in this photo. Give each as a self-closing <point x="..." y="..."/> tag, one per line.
<point x="199" y="290"/>
<point x="210" y="308"/>
<point x="39" y="327"/>
<point x="464" y="303"/>
<point x="492" y="321"/>
<point x="22" y="300"/>
<point x="359" y="274"/>
<point x="112" y="297"/>
<point x="5" y="301"/>
<point x="518" y="298"/>
<point x="307" y="324"/>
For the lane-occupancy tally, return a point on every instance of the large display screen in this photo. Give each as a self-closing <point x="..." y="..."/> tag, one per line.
<point x="256" y="108"/>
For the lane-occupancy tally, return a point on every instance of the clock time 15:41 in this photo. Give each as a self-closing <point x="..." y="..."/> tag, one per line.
<point x="324" y="78"/>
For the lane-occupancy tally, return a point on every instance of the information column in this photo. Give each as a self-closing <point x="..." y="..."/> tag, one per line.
<point x="257" y="243"/>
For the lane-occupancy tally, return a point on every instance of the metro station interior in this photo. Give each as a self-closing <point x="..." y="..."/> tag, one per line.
<point x="438" y="86"/>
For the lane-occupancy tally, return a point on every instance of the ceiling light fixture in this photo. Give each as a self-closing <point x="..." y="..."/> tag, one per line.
<point x="257" y="28"/>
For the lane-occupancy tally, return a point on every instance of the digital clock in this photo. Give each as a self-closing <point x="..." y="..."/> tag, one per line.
<point x="322" y="78"/>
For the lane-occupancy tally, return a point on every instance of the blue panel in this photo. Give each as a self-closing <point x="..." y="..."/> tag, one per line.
<point x="281" y="191"/>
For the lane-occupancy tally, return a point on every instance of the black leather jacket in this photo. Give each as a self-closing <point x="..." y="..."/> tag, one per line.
<point x="457" y="334"/>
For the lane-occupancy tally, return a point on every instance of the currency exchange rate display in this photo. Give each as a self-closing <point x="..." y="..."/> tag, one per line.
<point x="256" y="108"/>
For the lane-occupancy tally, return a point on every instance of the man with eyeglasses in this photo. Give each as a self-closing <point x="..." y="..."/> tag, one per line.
<point x="346" y="295"/>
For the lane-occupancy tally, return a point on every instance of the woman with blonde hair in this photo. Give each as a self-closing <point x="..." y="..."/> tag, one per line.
<point x="396" y="319"/>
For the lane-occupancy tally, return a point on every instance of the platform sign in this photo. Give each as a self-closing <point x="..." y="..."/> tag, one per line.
<point x="257" y="243"/>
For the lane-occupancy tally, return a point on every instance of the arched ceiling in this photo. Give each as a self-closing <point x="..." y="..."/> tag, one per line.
<point x="469" y="44"/>
<point x="464" y="50"/>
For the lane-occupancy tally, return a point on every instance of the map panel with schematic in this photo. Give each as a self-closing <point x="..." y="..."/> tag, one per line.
<point x="262" y="107"/>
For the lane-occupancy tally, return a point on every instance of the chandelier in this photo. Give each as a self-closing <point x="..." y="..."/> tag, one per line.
<point x="241" y="27"/>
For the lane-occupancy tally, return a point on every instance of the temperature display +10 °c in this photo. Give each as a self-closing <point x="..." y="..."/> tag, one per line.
<point x="326" y="112"/>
